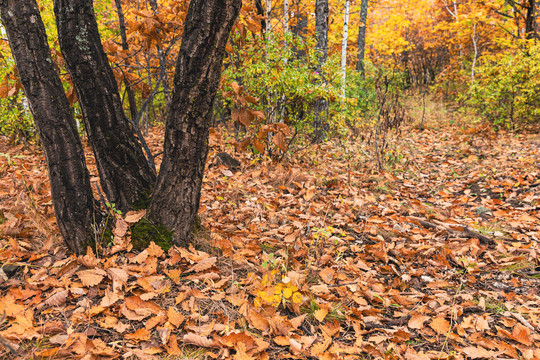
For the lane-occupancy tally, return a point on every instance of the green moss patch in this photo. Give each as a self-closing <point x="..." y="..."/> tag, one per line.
<point x="144" y="232"/>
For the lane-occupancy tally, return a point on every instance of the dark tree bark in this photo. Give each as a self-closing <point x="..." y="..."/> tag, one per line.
<point x="362" y="37"/>
<point x="126" y="176"/>
<point x="262" y="13"/>
<point x="530" y="19"/>
<point x="70" y="182"/>
<point x="321" y="33"/>
<point x="175" y="202"/>
<point x="122" y="25"/>
<point x="321" y="29"/>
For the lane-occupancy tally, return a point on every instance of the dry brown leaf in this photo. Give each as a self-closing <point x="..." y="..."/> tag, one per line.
<point x="119" y="277"/>
<point x="320" y="314"/>
<point x="121" y="228"/>
<point x="201" y="341"/>
<point x="319" y="347"/>
<point x="155" y="250"/>
<point x="22" y="328"/>
<point x="417" y="321"/>
<point x="440" y="325"/>
<point x="139" y="259"/>
<point x="478" y="352"/>
<point x="203" y="265"/>
<point x="109" y="298"/>
<point x="174" y="317"/>
<point x="164" y="333"/>
<point x="139" y="335"/>
<point x="327" y="275"/>
<point x="92" y="277"/>
<point x="258" y="321"/>
<point x="172" y="346"/>
<point x="55" y="300"/>
<point x="154" y="321"/>
<point x="89" y="260"/>
<point x="296" y="347"/>
<point x="242" y="352"/>
<point x="133" y="217"/>
<point x="522" y="334"/>
<point x="132" y="315"/>
<point x="281" y="340"/>
<point x="59" y="339"/>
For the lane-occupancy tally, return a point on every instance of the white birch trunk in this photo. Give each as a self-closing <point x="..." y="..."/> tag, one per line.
<point x="286" y="14"/>
<point x="475" y="44"/>
<point x="344" y="49"/>
<point x="268" y="11"/>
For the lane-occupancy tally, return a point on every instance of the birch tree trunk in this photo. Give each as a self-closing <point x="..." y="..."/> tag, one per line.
<point x="268" y="16"/>
<point x="286" y="15"/>
<point x="344" y="49"/>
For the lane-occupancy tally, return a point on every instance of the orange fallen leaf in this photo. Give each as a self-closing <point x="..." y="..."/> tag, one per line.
<point x="201" y="341"/>
<point x="139" y="335"/>
<point x="417" y="321"/>
<point x="203" y="265"/>
<point x="174" y="317"/>
<point x="320" y="314"/>
<point x="522" y="334"/>
<point x="440" y="325"/>
<point x="91" y="278"/>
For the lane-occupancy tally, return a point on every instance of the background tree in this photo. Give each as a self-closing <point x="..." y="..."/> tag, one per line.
<point x="321" y="47"/>
<point x="362" y="37"/>
<point x="70" y="182"/>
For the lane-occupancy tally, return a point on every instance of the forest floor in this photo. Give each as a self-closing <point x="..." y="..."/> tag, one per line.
<point x="319" y="256"/>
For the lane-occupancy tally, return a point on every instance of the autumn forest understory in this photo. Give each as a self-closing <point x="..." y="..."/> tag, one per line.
<point x="342" y="179"/>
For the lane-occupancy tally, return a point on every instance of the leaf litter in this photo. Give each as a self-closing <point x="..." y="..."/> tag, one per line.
<point x="320" y="257"/>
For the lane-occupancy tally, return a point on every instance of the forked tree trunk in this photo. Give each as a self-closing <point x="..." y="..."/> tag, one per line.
<point x="70" y="182"/>
<point x="125" y="173"/>
<point x="175" y="202"/>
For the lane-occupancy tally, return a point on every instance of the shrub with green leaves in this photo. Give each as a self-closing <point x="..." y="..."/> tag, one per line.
<point x="288" y="85"/>
<point x="15" y="122"/>
<point x="285" y="83"/>
<point x="506" y="88"/>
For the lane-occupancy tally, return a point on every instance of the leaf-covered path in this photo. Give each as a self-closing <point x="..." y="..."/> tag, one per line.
<point x="318" y="257"/>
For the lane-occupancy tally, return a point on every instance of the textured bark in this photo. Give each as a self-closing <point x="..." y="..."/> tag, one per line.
<point x="175" y="202"/>
<point x="321" y="29"/>
<point x="123" y="35"/>
<point x="125" y="173"/>
<point x="70" y="182"/>
<point x="530" y="19"/>
<point x="362" y="37"/>
<point x="321" y="34"/>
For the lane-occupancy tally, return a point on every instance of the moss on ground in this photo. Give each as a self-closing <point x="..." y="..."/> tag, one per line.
<point x="144" y="232"/>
